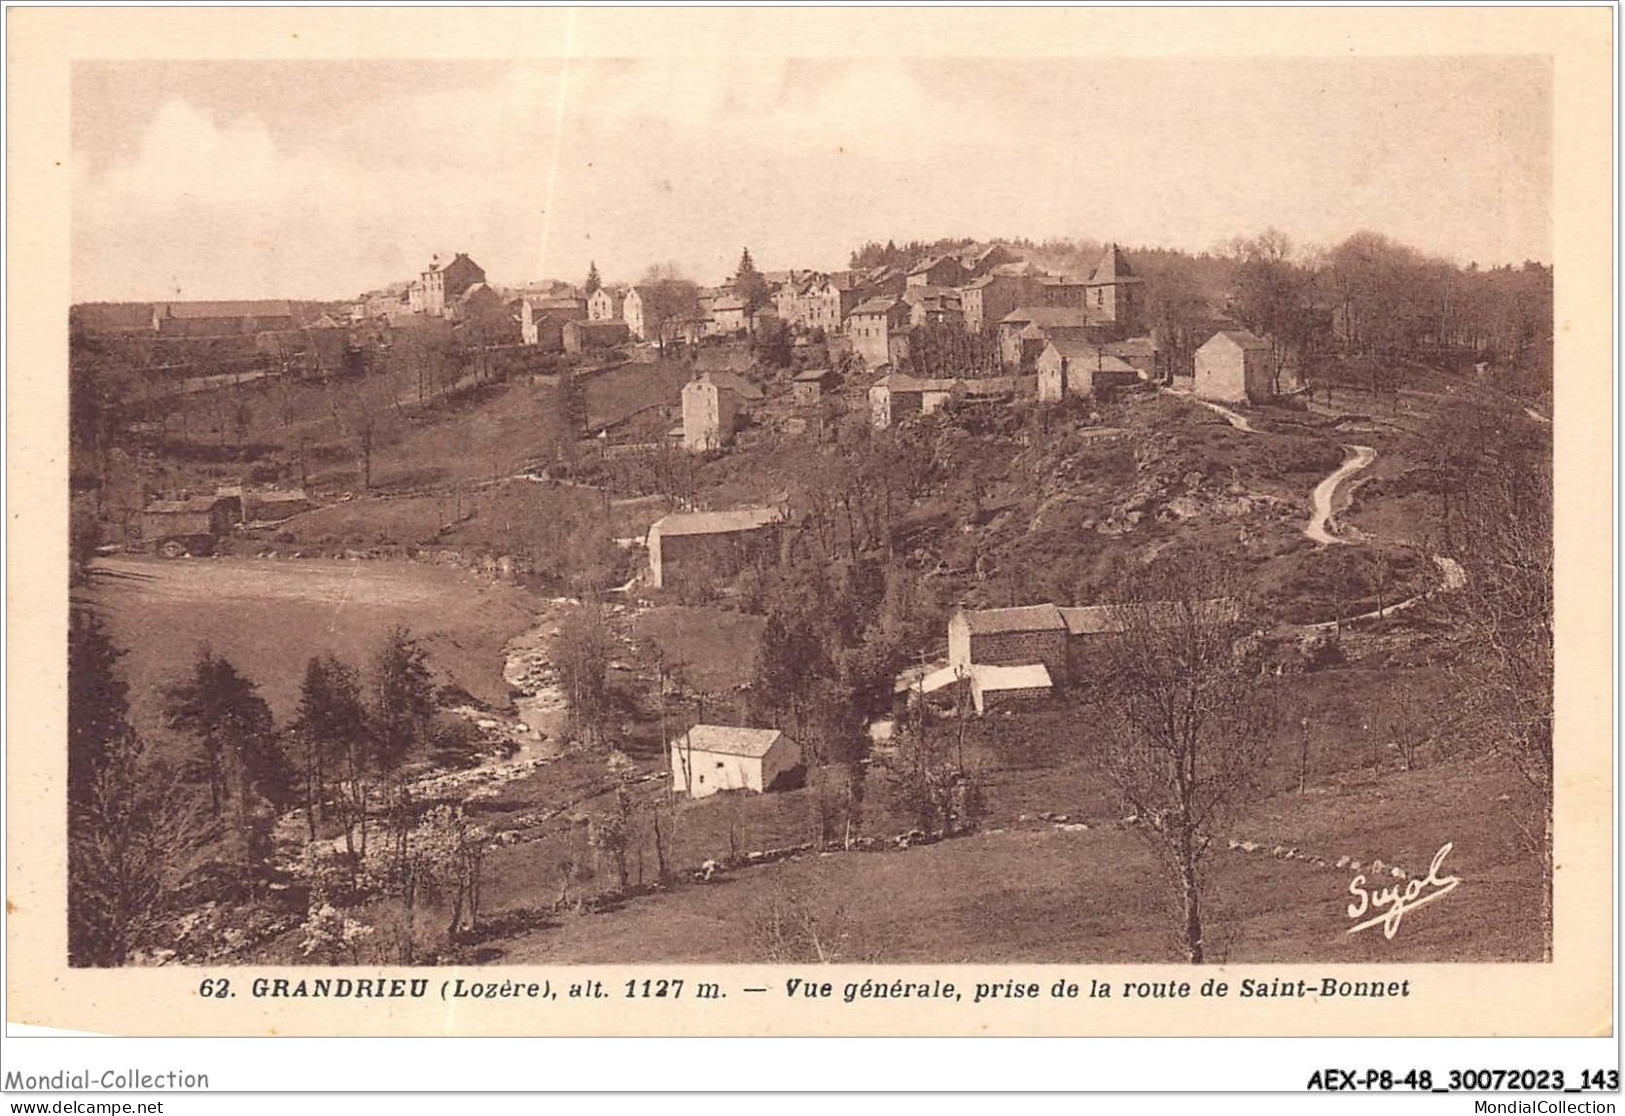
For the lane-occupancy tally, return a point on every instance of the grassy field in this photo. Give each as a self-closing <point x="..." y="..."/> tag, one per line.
<point x="1097" y="895"/>
<point x="269" y="617"/>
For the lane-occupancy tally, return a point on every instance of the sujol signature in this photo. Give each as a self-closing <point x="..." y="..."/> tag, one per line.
<point x="1398" y="900"/>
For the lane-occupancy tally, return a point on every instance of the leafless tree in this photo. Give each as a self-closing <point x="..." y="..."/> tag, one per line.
<point x="1186" y="717"/>
<point x="1504" y="614"/>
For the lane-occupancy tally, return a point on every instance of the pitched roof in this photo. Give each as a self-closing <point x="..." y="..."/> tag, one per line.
<point x="1106" y="619"/>
<point x="1030" y="676"/>
<point x="731" y="381"/>
<point x="882" y="305"/>
<point x="1025" y="618"/>
<point x="1113" y="268"/>
<point x="1073" y="348"/>
<point x="1244" y="338"/>
<point x="1134" y="346"/>
<point x="1045" y="316"/>
<point x="256" y="308"/>
<point x="190" y="504"/>
<point x="729" y="740"/>
<point x="811" y="375"/>
<point x="715" y="523"/>
<point x="731" y="302"/>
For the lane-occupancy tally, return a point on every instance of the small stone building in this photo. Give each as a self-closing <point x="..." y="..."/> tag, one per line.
<point x="1002" y="687"/>
<point x="710" y="411"/>
<point x="1069" y="367"/>
<point x="877" y="329"/>
<point x="1008" y="637"/>
<point x="715" y="545"/>
<point x="711" y="758"/>
<point x="190" y="525"/>
<point x="585" y="336"/>
<point x="1235" y="366"/>
<point x="807" y="387"/>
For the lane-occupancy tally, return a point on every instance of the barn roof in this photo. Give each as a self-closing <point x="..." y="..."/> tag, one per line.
<point x="255" y="308"/>
<point x="715" y="523"/>
<point x="190" y="505"/>
<point x="733" y="382"/>
<point x="1105" y="619"/>
<point x="729" y="740"/>
<point x="1134" y="346"/>
<point x="1242" y="338"/>
<point x="1073" y="348"/>
<point x="1046" y="316"/>
<point x="1031" y="676"/>
<point x="1025" y="618"/>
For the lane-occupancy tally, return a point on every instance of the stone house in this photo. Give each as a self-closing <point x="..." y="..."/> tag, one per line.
<point x="604" y="304"/>
<point x="443" y="284"/>
<point x="1008" y="637"/>
<point x="897" y="396"/>
<point x="711" y="545"/>
<point x="979" y="261"/>
<point x="730" y="316"/>
<point x="1069" y="367"/>
<point x="874" y="327"/>
<point x="1024" y="331"/>
<point x="933" y="305"/>
<point x="1144" y="354"/>
<point x="711" y="758"/>
<point x="1235" y="366"/>
<point x="189" y="526"/>
<point x="710" y="412"/>
<point x="937" y="271"/>
<point x="1002" y="687"/>
<point x="584" y="336"/>
<point x="541" y="323"/>
<point x="807" y="386"/>
<point x="985" y="300"/>
<point x="220" y="319"/>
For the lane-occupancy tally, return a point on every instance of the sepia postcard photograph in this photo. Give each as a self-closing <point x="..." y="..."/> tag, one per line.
<point x="573" y="508"/>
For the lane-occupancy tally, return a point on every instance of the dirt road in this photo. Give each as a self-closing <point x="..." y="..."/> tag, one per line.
<point x="1318" y="529"/>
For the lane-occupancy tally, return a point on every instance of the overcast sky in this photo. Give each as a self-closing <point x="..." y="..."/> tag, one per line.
<point x="321" y="179"/>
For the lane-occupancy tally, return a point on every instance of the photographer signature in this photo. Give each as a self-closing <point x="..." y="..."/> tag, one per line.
<point x="1393" y="902"/>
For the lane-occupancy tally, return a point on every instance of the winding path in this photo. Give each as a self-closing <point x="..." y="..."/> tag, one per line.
<point x="1318" y="529"/>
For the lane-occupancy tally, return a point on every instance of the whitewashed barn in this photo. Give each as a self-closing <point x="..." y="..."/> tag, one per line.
<point x="711" y="758"/>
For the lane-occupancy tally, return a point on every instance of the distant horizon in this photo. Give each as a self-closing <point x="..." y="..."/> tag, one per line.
<point x="1131" y="250"/>
<point x="241" y="180"/>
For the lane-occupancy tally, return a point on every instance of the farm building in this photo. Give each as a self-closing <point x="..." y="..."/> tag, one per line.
<point x="808" y="386"/>
<point x="1072" y="367"/>
<point x="1235" y="366"/>
<point x="188" y="526"/>
<point x="1001" y="687"/>
<point x="1086" y="624"/>
<point x="711" y="758"/>
<point x="896" y="396"/>
<point x="215" y="319"/>
<point x="1024" y="330"/>
<point x="580" y="337"/>
<point x="541" y="323"/>
<point x="1143" y="353"/>
<point x="687" y="545"/>
<point x="1008" y="637"/>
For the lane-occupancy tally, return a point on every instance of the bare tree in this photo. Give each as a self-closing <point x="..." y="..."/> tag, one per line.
<point x="1504" y="612"/>
<point x="1186" y="717"/>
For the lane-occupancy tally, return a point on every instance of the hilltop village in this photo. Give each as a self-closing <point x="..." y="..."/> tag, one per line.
<point x="505" y="622"/>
